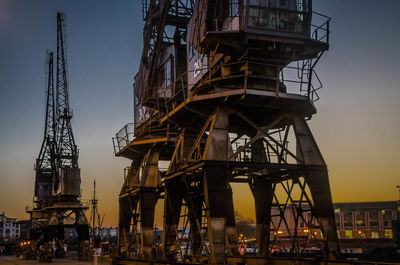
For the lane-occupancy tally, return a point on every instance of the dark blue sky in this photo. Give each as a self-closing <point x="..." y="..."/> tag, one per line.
<point x="104" y="43"/>
<point x="357" y="125"/>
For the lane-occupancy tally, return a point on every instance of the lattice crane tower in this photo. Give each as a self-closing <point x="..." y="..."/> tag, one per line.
<point x="57" y="184"/>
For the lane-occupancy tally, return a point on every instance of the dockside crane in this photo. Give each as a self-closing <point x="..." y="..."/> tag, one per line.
<point x="223" y="95"/>
<point x="57" y="185"/>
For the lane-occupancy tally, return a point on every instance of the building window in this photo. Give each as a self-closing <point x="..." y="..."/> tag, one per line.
<point x="388" y="234"/>
<point x="234" y="7"/>
<point x="289" y="16"/>
<point x="348" y="218"/>
<point x="387" y="217"/>
<point x="373" y="218"/>
<point x="301" y="222"/>
<point x="360" y="215"/>
<point x="337" y="217"/>
<point x="361" y="234"/>
<point x="168" y="73"/>
<point x="374" y="234"/>
<point x="348" y="234"/>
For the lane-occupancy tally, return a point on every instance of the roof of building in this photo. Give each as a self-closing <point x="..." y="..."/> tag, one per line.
<point x="366" y="205"/>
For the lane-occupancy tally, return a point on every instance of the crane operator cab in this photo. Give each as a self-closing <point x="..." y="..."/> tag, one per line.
<point x="148" y="95"/>
<point x="232" y="40"/>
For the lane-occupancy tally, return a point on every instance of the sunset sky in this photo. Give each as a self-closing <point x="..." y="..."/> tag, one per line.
<point x="357" y="126"/>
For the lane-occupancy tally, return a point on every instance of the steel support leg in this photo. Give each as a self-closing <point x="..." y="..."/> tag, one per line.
<point x="195" y="219"/>
<point x="263" y="194"/>
<point x="218" y="194"/>
<point x="318" y="181"/>
<point x="220" y="212"/>
<point x="147" y="204"/>
<point x="125" y="217"/>
<point x="172" y="209"/>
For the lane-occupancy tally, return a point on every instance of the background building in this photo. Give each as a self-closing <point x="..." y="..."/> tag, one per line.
<point x="365" y="220"/>
<point x="360" y="225"/>
<point x="10" y="229"/>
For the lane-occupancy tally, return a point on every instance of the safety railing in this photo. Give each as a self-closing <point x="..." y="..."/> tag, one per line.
<point x="182" y="9"/>
<point x="123" y="137"/>
<point x="297" y="78"/>
<point x="270" y="18"/>
<point x="127" y="134"/>
<point x="320" y="29"/>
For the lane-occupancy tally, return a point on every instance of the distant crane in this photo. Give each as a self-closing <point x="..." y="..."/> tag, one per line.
<point x="96" y="221"/>
<point x="396" y="223"/>
<point x="57" y="184"/>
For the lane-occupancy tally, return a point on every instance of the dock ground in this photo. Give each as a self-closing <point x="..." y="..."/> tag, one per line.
<point x="13" y="260"/>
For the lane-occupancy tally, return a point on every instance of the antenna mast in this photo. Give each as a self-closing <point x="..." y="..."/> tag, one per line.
<point x="94" y="212"/>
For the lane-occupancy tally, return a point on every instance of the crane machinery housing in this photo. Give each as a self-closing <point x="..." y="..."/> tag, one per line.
<point x="223" y="94"/>
<point x="57" y="183"/>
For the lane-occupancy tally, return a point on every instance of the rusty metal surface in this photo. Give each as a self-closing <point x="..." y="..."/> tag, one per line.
<point x="233" y="108"/>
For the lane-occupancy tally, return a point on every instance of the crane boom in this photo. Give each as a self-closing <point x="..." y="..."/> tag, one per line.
<point x="68" y="180"/>
<point x="45" y="163"/>
<point x="68" y="153"/>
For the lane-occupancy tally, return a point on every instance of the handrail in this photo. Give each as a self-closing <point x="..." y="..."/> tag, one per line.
<point x="181" y="95"/>
<point x="160" y="101"/>
<point x="322" y="15"/>
<point x="228" y="25"/>
<point x="324" y="27"/>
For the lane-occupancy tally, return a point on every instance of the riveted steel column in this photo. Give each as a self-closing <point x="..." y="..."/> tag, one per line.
<point x="263" y="194"/>
<point x="147" y="203"/>
<point x="148" y="196"/>
<point x="218" y="194"/>
<point x="316" y="175"/>
<point x="215" y="187"/>
<point x="127" y="203"/>
<point x="195" y="219"/>
<point x="125" y="217"/>
<point x="173" y="202"/>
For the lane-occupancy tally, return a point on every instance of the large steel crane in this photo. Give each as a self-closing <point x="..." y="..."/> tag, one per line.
<point x="57" y="185"/>
<point x="226" y="102"/>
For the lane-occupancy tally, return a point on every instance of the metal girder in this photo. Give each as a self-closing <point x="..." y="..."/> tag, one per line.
<point x="137" y="201"/>
<point x="57" y="185"/>
<point x="207" y="160"/>
<point x="237" y="122"/>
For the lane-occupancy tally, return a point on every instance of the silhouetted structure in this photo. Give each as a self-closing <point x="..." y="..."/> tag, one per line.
<point x="222" y="87"/>
<point x="57" y="184"/>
